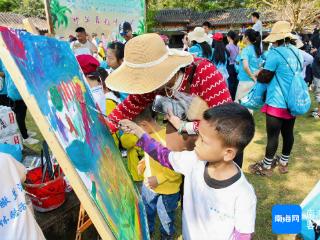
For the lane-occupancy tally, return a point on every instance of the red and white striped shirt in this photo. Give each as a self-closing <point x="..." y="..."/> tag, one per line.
<point x="208" y="83"/>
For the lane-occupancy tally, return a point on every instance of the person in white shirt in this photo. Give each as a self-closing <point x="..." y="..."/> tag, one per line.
<point x="16" y="218"/>
<point x="255" y="16"/>
<point x="82" y="45"/>
<point x="219" y="203"/>
<point x="307" y="58"/>
<point x="207" y="29"/>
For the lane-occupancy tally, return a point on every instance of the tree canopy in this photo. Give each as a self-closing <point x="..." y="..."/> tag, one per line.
<point x="28" y="8"/>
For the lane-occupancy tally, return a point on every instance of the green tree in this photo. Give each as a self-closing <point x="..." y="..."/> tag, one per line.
<point x="30" y="8"/>
<point x="59" y="14"/>
<point x="8" y="5"/>
<point x="300" y="13"/>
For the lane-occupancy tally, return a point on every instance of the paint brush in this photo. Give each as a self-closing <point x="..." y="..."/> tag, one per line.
<point x="105" y="116"/>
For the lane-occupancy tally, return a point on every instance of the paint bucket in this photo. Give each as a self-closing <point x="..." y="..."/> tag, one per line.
<point x="47" y="195"/>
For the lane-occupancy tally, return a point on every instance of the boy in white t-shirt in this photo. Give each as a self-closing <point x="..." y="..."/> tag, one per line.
<point x="219" y="203"/>
<point x="16" y="219"/>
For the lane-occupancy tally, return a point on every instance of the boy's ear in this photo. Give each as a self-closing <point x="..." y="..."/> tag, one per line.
<point x="230" y="154"/>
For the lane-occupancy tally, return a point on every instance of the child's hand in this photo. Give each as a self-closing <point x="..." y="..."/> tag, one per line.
<point x="141" y="166"/>
<point x="151" y="182"/>
<point x="174" y="120"/>
<point x="130" y="127"/>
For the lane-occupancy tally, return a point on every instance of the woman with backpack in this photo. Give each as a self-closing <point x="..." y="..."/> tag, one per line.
<point x="200" y="47"/>
<point x="250" y="61"/>
<point x="281" y="72"/>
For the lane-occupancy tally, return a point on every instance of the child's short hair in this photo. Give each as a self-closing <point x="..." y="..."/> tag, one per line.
<point x="255" y="14"/>
<point x="80" y="30"/>
<point x="146" y="115"/>
<point x="234" y="124"/>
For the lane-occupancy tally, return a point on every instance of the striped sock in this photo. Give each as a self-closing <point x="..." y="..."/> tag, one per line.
<point x="284" y="159"/>
<point x="267" y="163"/>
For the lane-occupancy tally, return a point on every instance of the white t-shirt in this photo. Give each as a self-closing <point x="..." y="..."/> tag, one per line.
<point x="307" y="60"/>
<point x="16" y="219"/>
<point x="210" y="213"/>
<point x="87" y="48"/>
<point x="210" y="40"/>
<point x="99" y="97"/>
<point x="258" y="27"/>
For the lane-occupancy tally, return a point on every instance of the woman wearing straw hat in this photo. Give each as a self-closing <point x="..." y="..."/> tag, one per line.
<point x="149" y="69"/>
<point x="200" y="47"/>
<point x="283" y="57"/>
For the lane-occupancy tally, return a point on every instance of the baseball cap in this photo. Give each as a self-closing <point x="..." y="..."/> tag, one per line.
<point x="126" y="27"/>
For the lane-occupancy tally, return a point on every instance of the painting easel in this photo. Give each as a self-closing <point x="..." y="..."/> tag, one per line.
<point x="84" y="222"/>
<point x="57" y="150"/>
<point x="53" y="87"/>
<point x="29" y="26"/>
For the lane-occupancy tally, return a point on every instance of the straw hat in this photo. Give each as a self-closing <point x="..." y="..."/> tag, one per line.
<point x="279" y="31"/>
<point x="198" y="35"/>
<point x="148" y="64"/>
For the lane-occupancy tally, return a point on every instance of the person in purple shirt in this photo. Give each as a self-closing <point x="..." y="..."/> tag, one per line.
<point x="233" y="51"/>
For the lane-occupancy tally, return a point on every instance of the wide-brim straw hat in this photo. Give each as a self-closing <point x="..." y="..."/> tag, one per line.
<point x="198" y="35"/>
<point x="148" y="65"/>
<point x="280" y="30"/>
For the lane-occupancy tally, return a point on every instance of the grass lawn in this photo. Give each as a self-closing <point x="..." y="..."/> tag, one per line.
<point x="291" y="188"/>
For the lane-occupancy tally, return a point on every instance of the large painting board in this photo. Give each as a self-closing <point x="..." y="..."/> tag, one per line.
<point x="53" y="87"/>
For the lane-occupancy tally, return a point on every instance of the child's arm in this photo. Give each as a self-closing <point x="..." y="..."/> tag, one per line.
<point x="155" y="150"/>
<point x="181" y="162"/>
<point x="148" y="144"/>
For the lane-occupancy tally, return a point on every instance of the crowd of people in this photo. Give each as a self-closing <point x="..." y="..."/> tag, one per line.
<point x="198" y="157"/>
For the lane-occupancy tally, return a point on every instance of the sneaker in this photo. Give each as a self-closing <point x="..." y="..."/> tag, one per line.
<point x="315" y="115"/>
<point x="258" y="169"/>
<point x="32" y="134"/>
<point x="283" y="169"/>
<point x="30" y="141"/>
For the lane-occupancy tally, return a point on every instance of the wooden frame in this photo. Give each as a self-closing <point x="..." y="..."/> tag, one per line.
<point x="56" y="148"/>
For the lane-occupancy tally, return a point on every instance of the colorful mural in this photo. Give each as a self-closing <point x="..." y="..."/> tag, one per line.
<point x="53" y="77"/>
<point x="98" y="16"/>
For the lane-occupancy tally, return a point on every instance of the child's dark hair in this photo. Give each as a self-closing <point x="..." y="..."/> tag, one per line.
<point x="80" y="30"/>
<point x="206" y="24"/>
<point x="231" y="34"/>
<point x="206" y="49"/>
<point x="255" y="14"/>
<point x="219" y="54"/>
<point x="255" y="38"/>
<point x="234" y="124"/>
<point x="146" y="115"/>
<point x="118" y="47"/>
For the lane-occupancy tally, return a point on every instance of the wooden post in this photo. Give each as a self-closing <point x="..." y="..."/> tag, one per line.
<point x="49" y="18"/>
<point x="28" y="25"/>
